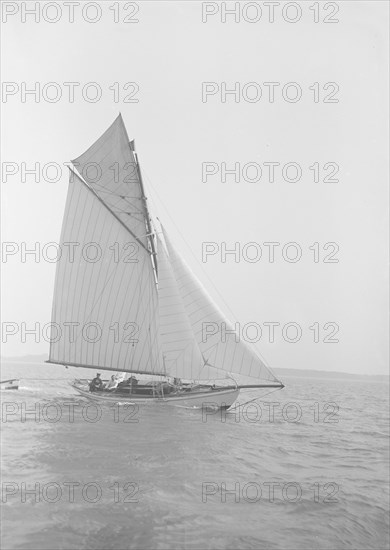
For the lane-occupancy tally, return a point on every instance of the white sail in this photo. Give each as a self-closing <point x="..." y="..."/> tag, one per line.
<point x="181" y="354"/>
<point x="109" y="166"/>
<point x="105" y="309"/>
<point x="221" y="348"/>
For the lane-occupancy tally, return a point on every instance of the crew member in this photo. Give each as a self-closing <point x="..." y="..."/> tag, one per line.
<point x="96" y="384"/>
<point x="111" y="384"/>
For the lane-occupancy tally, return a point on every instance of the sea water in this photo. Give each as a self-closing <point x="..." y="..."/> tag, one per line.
<point x="306" y="467"/>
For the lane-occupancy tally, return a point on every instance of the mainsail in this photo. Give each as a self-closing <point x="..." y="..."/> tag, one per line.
<point x="112" y="309"/>
<point x="106" y="311"/>
<point x="105" y="307"/>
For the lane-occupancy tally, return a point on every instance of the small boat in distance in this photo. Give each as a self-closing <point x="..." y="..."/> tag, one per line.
<point x="125" y="300"/>
<point x="12" y="384"/>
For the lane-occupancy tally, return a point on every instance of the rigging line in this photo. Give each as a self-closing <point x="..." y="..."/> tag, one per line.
<point x="114" y="192"/>
<point x="188" y="246"/>
<point x="102" y="189"/>
<point x="119" y="208"/>
<point x="254" y="399"/>
<point x="197" y="261"/>
<point x="120" y="211"/>
<point x="126" y="199"/>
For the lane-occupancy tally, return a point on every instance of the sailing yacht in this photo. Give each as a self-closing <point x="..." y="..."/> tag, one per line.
<point x="130" y="302"/>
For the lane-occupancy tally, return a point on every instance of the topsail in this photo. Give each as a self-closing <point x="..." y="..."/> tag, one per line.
<point x="110" y="168"/>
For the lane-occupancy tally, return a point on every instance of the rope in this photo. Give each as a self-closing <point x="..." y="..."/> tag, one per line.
<point x="251" y="400"/>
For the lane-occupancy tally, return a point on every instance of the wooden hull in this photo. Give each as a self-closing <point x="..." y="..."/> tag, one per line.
<point x="219" y="398"/>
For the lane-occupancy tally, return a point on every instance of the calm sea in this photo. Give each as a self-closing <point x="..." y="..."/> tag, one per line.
<point x="303" y="468"/>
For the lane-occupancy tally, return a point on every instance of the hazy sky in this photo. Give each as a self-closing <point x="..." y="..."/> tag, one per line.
<point x="168" y="53"/>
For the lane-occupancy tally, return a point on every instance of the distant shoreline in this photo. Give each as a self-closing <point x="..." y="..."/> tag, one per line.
<point x="280" y="372"/>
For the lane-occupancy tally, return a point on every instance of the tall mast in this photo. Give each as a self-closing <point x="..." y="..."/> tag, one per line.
<point x="148" y="218"/>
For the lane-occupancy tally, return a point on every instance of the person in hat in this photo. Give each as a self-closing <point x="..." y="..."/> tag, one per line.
<point x="96" y="384"/>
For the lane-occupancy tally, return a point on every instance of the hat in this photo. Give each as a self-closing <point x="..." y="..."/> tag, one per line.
<point x="98" y="374"/>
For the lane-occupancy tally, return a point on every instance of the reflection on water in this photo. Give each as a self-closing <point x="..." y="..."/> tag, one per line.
<point x="80" y="476"/>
